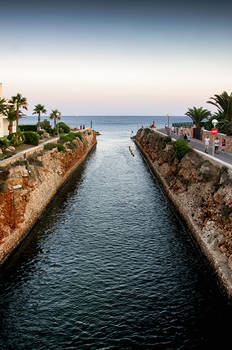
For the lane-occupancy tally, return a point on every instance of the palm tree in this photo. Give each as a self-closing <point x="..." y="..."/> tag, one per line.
<point x="38" y="110"/>
<point x="3" y="106"/>
<point x="11" y="116"/>
<point x="223" y="103"/>
<point x="198" y="115"/>
<point x="55" y="114"/>
<point x="18" y="102"/>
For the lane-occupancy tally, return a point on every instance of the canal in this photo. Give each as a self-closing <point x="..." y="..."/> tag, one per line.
<point x="110" y="266"/>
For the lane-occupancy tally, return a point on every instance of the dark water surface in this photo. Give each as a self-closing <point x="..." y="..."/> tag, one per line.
<point x="111" y="266"/>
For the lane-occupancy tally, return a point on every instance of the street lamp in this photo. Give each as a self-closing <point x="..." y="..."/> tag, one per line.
<point x="16" y="187"/>
<point x="214" y="122"/>
<point x="168" y="115"/>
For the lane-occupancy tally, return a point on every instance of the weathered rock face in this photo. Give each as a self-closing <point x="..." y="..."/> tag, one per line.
<point x="201" y="191"/>
<point x="40" y="175"/>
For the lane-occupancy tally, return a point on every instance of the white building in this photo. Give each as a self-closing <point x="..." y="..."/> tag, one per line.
<point x="4" y="123"/>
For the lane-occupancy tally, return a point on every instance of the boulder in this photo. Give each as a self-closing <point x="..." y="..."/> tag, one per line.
<point x="10" y="149"/>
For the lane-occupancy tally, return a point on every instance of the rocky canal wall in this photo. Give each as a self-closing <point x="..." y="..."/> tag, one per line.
<point x="201" y="191"/>
<point x="36" y="177"/>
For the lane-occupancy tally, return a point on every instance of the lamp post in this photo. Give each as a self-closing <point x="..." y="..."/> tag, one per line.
<point x="16" y="187"/>
<point x="168" y="115"/>
<point x="214" y="122"/>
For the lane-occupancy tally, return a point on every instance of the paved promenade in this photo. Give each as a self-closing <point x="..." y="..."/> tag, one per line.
<point x="198" y="145"/>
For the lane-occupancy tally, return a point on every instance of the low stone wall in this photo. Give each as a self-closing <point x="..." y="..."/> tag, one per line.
<point x="40" y="173"/>
<point x="202" y="193"/>
<point x="220" y="137"/>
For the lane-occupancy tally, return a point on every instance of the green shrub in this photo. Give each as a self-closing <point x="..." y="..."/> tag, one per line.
<point x="33" y="160"/>
<point x="181" y="147"/>
<point x="16" y="139"/>
<point x="31" y="138"/>
<point x="49" y="146"/>
<point x="28" y="127"/>
<point x="71" y="145"/>
<point x="79" y="134"/>
<point x="46" y="125"/>
<point x="67" y="138"/>
<point x="60" y="148"/>
<point x="4" y="142"/>
<point x="63" y="127"/>
<point x="223" y="170"/>
<point x="40" y="132"/>
<point x="3" y="156"/>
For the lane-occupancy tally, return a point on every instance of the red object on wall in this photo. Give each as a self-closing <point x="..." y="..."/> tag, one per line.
<point x="214" y="131"/>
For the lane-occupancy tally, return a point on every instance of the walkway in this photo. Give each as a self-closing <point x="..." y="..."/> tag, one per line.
<point x="199" y="146"/>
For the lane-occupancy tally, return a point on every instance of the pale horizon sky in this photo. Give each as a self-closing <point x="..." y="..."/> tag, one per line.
<point x="116" y="57"/>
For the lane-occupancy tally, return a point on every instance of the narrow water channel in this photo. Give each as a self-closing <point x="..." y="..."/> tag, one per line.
<point x="110" y="266"/>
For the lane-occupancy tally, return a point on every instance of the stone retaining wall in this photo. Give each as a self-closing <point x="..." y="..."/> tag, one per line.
<point x="40" y="174"/>
<point x="202" y="193"/>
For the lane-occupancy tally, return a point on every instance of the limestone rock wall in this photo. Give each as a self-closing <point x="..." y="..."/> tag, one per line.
<point x="202" y="193"/>
<point x="40" y="173"/>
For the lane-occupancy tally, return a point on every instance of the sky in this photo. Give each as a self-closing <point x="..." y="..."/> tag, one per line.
<point x="116" y="57"/>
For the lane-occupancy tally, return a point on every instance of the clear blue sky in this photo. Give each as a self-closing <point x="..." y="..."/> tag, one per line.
<point x="116" y="57"/>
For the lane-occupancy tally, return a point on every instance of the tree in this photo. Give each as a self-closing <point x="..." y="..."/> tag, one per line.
<point x="19" y="102"/>
<point x="11" y="116"/>
<point x="55" y="114"/>
<point x="3" y="106"/>
<point x="198" y="115"/>
<point x="39" y="109"/>
<point x="223" y="103"/>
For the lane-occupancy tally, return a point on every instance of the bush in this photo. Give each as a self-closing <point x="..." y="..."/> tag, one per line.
<point x="46" y="125"/>
<point x="31" y="138"/>
<point x="17" y="138"/>
<point x="71" y="145"/>
<point x="28" y="127"/>
<point x="67" y="138"/>
<point x="4" y="142"/>
<point x="63" y="127"/>
<point x="181" y="147"/>
<point x="79" y="134"/>
<point x="49" y="146"/>
<point x="40" y="132"/>
<point x="60" y="148"/>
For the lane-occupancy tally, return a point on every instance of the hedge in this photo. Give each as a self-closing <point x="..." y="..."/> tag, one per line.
<point x="28" y="127"/>
<point x="64" y="127"/>
<point x="31" y="138"/>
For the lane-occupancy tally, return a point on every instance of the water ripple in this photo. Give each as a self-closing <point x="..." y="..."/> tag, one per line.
<point x="109" y="267"/>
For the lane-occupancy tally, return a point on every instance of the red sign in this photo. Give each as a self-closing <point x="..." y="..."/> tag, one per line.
<point x="214" y="131"/>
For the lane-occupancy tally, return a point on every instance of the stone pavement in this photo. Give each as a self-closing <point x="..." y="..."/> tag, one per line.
<point x="198" y="145"/>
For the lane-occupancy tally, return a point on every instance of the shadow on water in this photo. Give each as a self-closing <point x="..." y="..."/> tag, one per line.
<point x="29" y="248"/>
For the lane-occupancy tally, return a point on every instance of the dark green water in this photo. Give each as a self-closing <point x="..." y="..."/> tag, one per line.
<point x="110" y="266"/>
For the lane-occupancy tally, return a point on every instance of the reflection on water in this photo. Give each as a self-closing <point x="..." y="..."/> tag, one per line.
<point x="110" y="266"/>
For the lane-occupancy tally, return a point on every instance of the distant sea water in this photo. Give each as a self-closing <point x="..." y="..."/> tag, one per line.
<point x="111" y="123"/>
